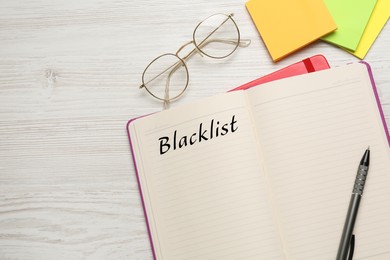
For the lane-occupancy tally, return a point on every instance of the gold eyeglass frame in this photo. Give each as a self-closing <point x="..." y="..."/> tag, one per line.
<point x="182" y="61"/>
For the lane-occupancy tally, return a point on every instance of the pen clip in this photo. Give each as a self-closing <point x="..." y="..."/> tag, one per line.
<point x="351" y="247"/>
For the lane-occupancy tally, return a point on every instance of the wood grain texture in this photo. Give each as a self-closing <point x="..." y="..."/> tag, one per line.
<point x="69" y="77"/>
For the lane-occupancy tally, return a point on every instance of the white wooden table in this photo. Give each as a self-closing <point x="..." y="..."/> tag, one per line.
<point x="69" y="77"/>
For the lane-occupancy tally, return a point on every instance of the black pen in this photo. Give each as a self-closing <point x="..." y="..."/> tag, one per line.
<point x="353" y="208"/>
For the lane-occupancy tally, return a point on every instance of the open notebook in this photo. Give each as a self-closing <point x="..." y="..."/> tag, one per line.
<point x="266" y="173"/>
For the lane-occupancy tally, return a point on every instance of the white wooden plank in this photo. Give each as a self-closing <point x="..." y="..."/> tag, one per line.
<point x="69" y="77"/>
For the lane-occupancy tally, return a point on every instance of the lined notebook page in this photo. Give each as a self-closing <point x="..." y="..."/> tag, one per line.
<point x="206" y="200"/>
<point x="314" y="130"/>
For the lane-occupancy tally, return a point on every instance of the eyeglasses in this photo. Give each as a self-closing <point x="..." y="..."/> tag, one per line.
<point x="166" y="77"/>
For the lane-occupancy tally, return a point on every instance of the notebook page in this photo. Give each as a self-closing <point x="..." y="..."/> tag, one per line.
<point x="206" y="200"/>
<point x="314" y="130"/>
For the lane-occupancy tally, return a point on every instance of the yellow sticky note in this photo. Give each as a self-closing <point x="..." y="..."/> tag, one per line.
<point x="377" y="21"/>
<point x="287" y="25"/>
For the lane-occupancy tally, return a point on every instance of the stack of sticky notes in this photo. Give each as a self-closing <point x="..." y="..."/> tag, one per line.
<point x="288" y="25"/>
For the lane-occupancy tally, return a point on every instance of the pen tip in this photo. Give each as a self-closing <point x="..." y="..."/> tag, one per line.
<point x="366" y="158"/>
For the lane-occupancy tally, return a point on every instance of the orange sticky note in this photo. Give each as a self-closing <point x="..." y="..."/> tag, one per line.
<point x="288" y="25"/>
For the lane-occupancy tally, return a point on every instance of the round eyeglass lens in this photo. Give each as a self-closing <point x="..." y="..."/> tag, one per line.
<point x="166" y="77"/>
<point x="217" y="36"/>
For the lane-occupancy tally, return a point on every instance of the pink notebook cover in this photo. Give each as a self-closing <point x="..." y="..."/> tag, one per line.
<point x="298" y="69"/>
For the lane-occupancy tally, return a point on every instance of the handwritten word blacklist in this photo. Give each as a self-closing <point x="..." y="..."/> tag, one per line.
<point x="205" y="132"/>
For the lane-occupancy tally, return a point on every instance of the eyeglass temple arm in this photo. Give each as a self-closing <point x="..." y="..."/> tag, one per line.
<point x="158" y="75"/>
<point x="242" y="43"/>
<point x="166" y="91"/>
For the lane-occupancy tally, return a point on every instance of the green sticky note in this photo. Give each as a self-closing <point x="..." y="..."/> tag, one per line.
<point x="351" y="17"/>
